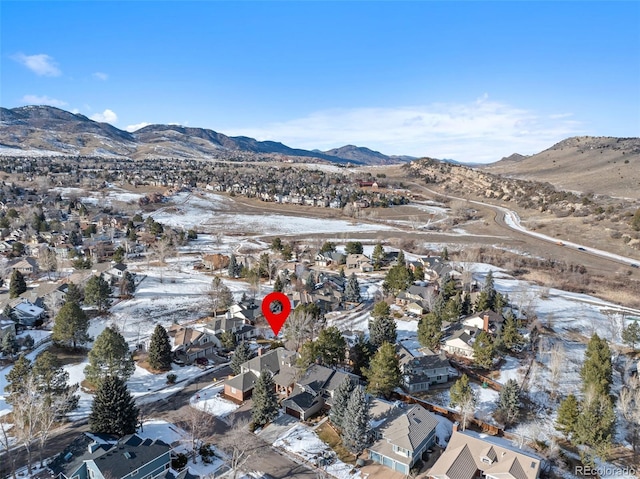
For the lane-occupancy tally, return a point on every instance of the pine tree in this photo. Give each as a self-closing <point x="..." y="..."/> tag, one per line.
<point x="18" y="285"/>
<point x="331" y="346"/>
<point x="341" y="397"/>
<point x="509" y="401"/>
<point x="398" y="279"/>
<point x="265" y="402"/>
<point x="596" y="423"/>
<point x="597" y="370"/>
<point x="430" y="331"/>
<point x="109" y="356"/>
<point x="53" y="382"/>
<point x="234" y="267"/>
<point x="228" y="339"/>
<point x="382" y="330"/>
<point x="310" y="283"/>
<point x="97" y="292"/>
<point x="353" y="247"/>
<point x="160" y="349"/>
<point x="631" y="334"/>
<point x="70" y="326"/>
<point x="17" y="377"/>
<point x="461" y="393"/>
<point x="113" y="410"/>
<point x="352" y="290"/>
<point x="74" y="294"/>
<point x="241" y="355"/>
<point x="383" y="373"/>
<point x="568" y="413"/>
<point x="277" y="284"/>
<point x="360" y="354"/>
<point x="401" y="260"/>
<point x="448" y="287"/>
<point x="483" y="350"/>
<point x="356" y="432"/>
<point x="9" y="344"/>
<point x="445" y="254"/>
<point x="466" y="308"/>
<point x="510" y="335"/>
<point x="378" y="255"/>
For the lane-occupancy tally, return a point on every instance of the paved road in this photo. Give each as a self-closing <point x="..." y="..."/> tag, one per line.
<point x="173" y="409"/>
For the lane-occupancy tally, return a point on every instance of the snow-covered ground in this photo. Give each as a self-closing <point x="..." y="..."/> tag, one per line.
<point x="208" y="399"/>
<point x="304" y="442"/>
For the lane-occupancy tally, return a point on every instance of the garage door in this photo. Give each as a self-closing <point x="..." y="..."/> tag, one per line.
<point x="293" y="412"/>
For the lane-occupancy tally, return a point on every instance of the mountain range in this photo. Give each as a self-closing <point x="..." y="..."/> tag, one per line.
<point x="47" y="129"/>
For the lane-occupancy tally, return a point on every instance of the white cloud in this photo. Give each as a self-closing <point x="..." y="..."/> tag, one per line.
<point x="479" y="131"/>
<point x="40" y="64"/>
<point x="101" y="76"/>
<point x="42" y="100"/>
<point x="137" y="126"/>
<point x="107" y="116"/>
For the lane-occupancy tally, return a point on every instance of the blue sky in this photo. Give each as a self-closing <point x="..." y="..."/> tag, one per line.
<point x="471" y="81"/>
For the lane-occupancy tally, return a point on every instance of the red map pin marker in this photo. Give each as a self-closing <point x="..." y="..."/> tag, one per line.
<point x="276" y="320"/>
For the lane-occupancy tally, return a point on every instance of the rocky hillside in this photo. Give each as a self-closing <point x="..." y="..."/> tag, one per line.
<point x="601" y="165"/>
<point x="44" y="129"/>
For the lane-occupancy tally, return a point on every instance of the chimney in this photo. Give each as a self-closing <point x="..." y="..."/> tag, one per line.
<point x="455" y="426"/>
<point x="260" y="351"/>
<point x="485" y="325"/>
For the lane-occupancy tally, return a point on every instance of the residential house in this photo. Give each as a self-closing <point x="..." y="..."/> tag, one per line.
<point x="328" y="258"/>
<point x="416" y="294"/>
<point x="314" y="391"/>
<point x="435" y="267"/>
<point x="6" y="327"/>
<point x="96" y="457"/>
<point x="488" y="321"/>
<point x="470" y="455"/>
<point x="114" y="274"/>
<point x="359" y="261"/>
<point x="249" y="311"/>
<point x="27" y="313"/>
<point x="27" y="266"/>
<point x="190" y="343"/>
<point x="420" y="372"/>
<point x="242" y="329"/>
<point x="279" y="362"/>
<point x="401" y="434"/>
<point x="459" y="340"/>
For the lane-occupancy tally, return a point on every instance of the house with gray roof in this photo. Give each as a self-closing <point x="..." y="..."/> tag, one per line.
<point x="402" y="436"/>
<point x="131" y="457"/>
<point x="420" y="372"/>
<point x="470" y="455"/>
<point x="314" y="391"/>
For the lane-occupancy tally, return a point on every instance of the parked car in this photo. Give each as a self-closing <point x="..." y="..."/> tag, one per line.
<point x="580" y="248"/>
<point x="201" y="362"/>
<point x="633" y="265"/>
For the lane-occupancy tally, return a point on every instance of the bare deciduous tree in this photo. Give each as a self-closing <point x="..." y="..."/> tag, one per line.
<point x="163" y="249"/>
<point x="298" y="329"/>
<point x="5" y="445"/>
<point x="197" y="424"/>
<point x="557" y="358"/>
<point x="239" y="445"/>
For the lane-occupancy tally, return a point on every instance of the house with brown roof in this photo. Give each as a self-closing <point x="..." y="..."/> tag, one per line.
<point x="189" y="344"/>
<point x="402" y="436"/>
<point x="359" y="261"/>
<point x="470" y="455"/>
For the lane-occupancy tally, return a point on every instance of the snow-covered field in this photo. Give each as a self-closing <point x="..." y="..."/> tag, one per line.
<point x="209" y="400"/>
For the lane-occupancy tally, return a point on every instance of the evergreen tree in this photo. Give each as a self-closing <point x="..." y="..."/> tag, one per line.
<point x="380" y="309"/>
<point x="596" y="423"/>
<point x="597" y="370"/>
<point x="53" y="381"/>
<point x="74" y="294"/>
<point x="631" y="334"/>
<point x="265" y="401"/>
<point x="331" y="346"/>
<point x="483" y="350"/>
<point x="97" y="292"/>
<point x="568" y="413"/>
<point x="381" y="330"/>
<point x="328" y="247"/>
<point x="70" y="326"/>
<point x="430" y="331"/>
<point x="401" y="260"/>
<point x="356" y="432"/>
<point x="378" y="255"/>
<point x="9" y="344"/>
<point x="234" y="267"/>
<point x="17" y="377"/>
<point x="160" y="349"/>
<point x="398" y="279"/>
<point x="510" y="336"/>
<point x="486" y="297"/>
<point x="353" y="247"/>
<point x="276" y="244"/>
<point x="352" y="290"/>
<point x="383" y="373"/>
<point x="277" y="284"/>
<point x="448" y="287"/>
<point x="17" y="285"/>
<point x="445" y="254"/>
<point x="109" y="356"/>
<point x="509" y="401"/>
<point x="310" y="283"/>
<point x="466" y="308"/>
<point x="228" y="339"/>
<point x="452" y="309"/>
<point x="241" y="355"/>
<point x="461" y="393"/>
<point x="342" y="273"/>
<point x="360" y="354"/>
<point x="341" y="397"/>
<point x="113" y="410"/>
